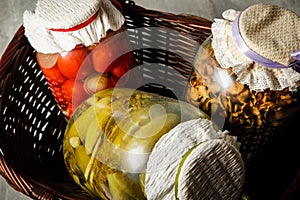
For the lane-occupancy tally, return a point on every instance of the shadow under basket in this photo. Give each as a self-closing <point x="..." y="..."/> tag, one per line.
<point x="32" y="126"/>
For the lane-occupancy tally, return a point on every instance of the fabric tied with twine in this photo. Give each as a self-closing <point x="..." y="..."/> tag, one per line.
<point x="58" y="26"/>
<point x="261" y="45"/>
<point x="295" y="56"/>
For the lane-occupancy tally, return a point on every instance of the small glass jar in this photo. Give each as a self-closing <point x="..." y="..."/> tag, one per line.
<point x="253" y="116"/>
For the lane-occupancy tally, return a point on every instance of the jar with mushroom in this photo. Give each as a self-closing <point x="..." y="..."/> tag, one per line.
<point x="246" y="74"/>
<point x="253" y="116"/>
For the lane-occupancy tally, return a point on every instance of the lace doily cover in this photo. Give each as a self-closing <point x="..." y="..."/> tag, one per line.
<point x="58" y="14"/>
<point x="268" y="30"/>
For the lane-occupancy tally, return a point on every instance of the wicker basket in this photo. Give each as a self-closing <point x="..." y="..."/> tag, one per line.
<point x="32" y="126"/>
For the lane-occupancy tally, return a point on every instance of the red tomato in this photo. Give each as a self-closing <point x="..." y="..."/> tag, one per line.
<point x="123" y="64"/>
<point x="107" y="52"/>
<point x="58" y="95"/>
<point x="102" y="56"/>
<point x="53" y="75"/>
<point x="73" y="92"/>
<point x="75" y="64"/>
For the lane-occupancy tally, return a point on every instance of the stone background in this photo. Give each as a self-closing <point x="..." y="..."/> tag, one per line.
<point x="11" y="12"/>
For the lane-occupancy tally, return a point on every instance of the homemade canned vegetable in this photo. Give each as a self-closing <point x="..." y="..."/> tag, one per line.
<point x="73" y="76"/>
<point x="110" y="136"/>
<point x="81" y="47"/>
<point x="251" y="115"/>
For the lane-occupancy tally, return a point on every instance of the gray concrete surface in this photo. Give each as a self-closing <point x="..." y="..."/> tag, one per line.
<point x="11" y="12"/>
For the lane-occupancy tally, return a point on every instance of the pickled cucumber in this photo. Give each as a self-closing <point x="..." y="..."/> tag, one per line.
<point x="118" y="129"/>
<point x="123" y="187"/>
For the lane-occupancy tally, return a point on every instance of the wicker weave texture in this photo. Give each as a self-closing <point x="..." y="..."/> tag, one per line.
<point x="32" y="125"/>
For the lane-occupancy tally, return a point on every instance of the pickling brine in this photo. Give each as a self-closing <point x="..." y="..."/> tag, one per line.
<point x="110" y="136"/>
<point x="81" y="48"/>
<point x="253" y="116"/>
<point x="75" y="75"/>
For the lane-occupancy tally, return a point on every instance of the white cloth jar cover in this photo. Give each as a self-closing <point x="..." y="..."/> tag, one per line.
<point x="164" y="161"/>
<point x="58" y="26"/>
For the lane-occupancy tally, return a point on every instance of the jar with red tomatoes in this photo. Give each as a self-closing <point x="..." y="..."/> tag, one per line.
<point x="81" y="47"/>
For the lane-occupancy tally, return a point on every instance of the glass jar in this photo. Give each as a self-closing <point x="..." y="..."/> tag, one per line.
<point x="253" y="116"/>
<point x="81" y="47"/>
<point x="110" y="136"/>
<point x="73" y="76"/>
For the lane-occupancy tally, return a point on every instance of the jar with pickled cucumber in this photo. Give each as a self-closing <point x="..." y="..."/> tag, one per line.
<point x="246" y="78"/>
<point x="81" y="47"/>
<point x="130" y="144"/>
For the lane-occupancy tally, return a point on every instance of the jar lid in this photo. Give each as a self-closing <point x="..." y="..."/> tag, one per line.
<point x="57" y="26"/>
<point x="165" y="158"/>
<point x="212" y="170"/>
<point x="261" y="44"/>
